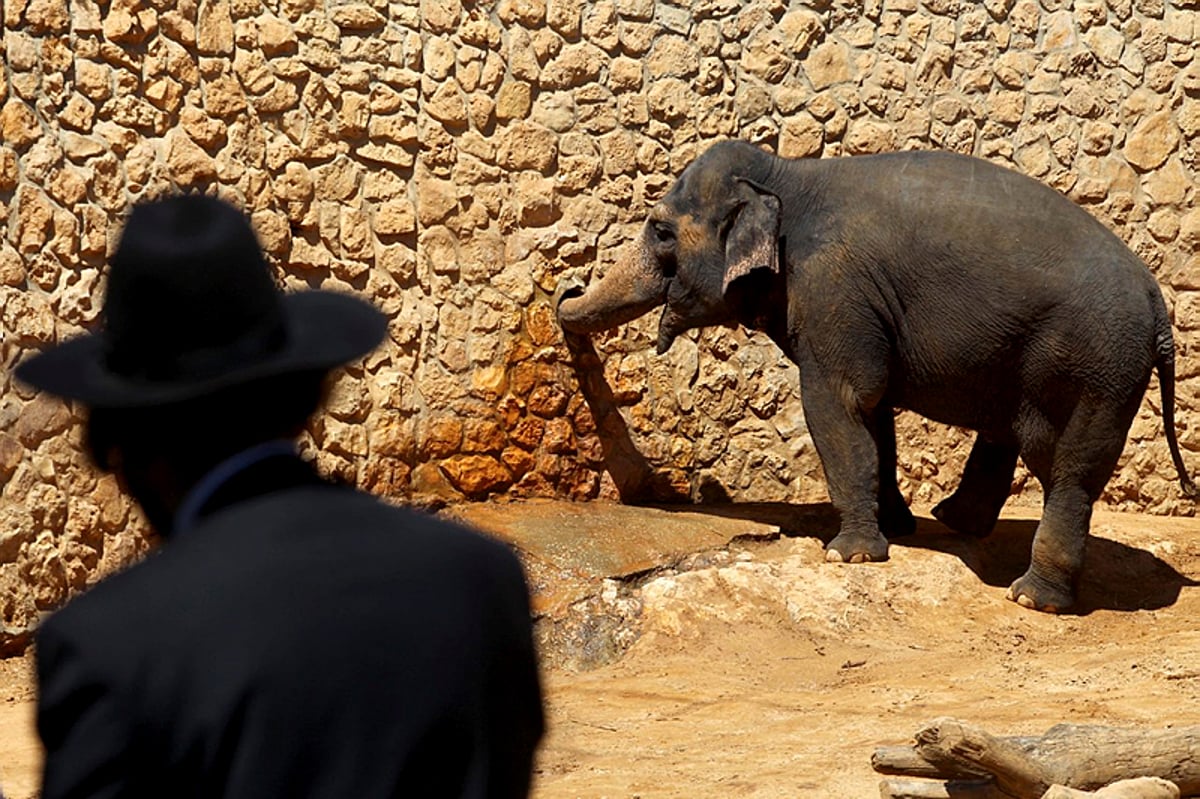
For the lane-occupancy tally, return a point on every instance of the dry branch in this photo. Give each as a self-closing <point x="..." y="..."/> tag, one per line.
<point x="1082" y="757"/>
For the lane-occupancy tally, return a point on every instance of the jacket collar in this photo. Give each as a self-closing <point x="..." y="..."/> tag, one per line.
<point x="262" y="469"/>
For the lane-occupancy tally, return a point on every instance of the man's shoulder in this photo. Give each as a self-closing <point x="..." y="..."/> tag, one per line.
<point x="252" y="538"/>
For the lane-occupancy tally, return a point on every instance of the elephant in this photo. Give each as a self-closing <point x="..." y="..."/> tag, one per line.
<point x="930" y="281"/>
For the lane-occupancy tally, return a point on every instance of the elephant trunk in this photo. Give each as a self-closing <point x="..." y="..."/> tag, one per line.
<point x="630" y="289"/>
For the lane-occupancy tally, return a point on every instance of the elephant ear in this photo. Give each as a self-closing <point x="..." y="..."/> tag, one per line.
<point x="753" y="240"/>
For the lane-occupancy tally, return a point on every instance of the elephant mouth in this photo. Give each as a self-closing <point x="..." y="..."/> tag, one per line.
<point x="569" y="288"/>
<point x="670" y="325"/>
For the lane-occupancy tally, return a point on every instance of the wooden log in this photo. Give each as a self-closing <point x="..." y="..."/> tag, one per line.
<point x="1076" y="756"/>
<point x="928" y="789"/>
<point x="906" y="761"/>
<point x="952" y="745"/>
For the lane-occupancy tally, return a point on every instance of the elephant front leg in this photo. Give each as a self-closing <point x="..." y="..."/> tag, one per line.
<point x="845" y="441"/>
<point x="986" y="483"/>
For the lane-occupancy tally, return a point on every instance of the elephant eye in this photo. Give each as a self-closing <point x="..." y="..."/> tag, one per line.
<point x="663" y="233"/>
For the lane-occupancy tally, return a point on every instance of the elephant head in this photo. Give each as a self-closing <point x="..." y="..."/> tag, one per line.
<point x="714" y="228"/>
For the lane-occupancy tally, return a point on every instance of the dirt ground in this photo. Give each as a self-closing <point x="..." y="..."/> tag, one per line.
<point x="758" y="670"/>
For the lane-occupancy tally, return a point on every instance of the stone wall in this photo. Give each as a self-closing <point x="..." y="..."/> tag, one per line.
<point x="454" y="159"/>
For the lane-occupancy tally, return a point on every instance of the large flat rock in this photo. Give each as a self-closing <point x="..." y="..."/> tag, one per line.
<point x="570" y="548"/>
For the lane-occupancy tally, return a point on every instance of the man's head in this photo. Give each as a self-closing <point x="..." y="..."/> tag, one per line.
<point x="199" y="354"/>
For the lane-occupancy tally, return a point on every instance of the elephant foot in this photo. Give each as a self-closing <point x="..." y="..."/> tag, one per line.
<point x="897" y="522"/>
<point x="965" y="516"/>
<point x="1037" y="593"/>
<point x="850" y="547"/>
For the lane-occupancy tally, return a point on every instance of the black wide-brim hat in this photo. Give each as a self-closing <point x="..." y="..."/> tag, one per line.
<point x="191" y="309"/>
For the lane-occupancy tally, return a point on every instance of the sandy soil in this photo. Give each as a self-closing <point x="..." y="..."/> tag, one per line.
<point x="769" y="673"/>
<point x="778" y="675"/>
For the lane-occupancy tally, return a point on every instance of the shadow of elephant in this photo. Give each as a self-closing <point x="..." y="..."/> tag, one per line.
<point x="1115" y="575"/>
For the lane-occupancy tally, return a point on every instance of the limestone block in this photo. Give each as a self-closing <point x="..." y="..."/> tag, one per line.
<point x="12" y="268"/>
<point x="440" y="437"/>
<point x="223" y="97"/>
<point x="68" y="186"/>
<point x="483" y="436"/>
<point x="396" y="129"/>
<point x="555" y="110"/>
<point x="357" y="17"/>
<point x="528" y="13"/>
<point x="1169" y="184"/>
<point x="35" y="215"/>
<point x="395" y="218"/>
<point x="45" y="416"/>
<point x="172" y="25"/>
<point x="9" y="169"/>
<point x="669" y="99"/>
<point x="801" y="137"/>
<point x="437" y="248"/>
<point x="536" y="200"/>
<point x="127" y="24"/>
<point x="828" y="64"/>
<point x="1006" y="107"/>
<point x="599" y="25"/>
<point x="441" y="16"/>
<point x="1152" y="40"/>
<point x="448" y="105"/>
<point x="19" y="126"/>
<point x="476" y="475"/>
<point x="93" y="240"/>
<point x="276" y="37"/>
<point x="1108" y="45"/>
<point x="565" y="17"/>
<point x="526" y="146"/>
<point x="438" y="58"/>
<point x="868" y="136"/>
<point x="514" y="101"/>
<point x="79" y="302"/>
<point x="766" y="56"/>
<point x="214" y="28"/>
<point x="522" y="60"/>
<point x="187" y="163"/>
<point x="575" y="65"/>
<point x="1152" y="141"/>
<point x="348" y="440"/>
<point x="1163" y="224"/>
<point x="1190" y="78"/>
<point x="47" y="16"/>
<point x="355" y="236"/>
<point x="1189" y="235"/>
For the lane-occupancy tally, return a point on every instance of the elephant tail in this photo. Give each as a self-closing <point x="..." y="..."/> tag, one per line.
<point x="1165" y="366"/>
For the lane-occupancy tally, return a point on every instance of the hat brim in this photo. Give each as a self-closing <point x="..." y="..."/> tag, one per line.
<point x="325" y="329"/>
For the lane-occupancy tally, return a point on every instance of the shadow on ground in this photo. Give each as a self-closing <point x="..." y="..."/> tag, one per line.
<point x="1116" y="576"/>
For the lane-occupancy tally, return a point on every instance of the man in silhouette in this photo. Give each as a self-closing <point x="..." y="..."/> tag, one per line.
<point x="291" y="638"/>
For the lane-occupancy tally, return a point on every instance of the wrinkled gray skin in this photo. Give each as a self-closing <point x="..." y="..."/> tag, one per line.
<point x="939" y="283"/>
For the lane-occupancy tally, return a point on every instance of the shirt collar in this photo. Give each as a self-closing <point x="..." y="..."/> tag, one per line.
<point x="199" y="494"/>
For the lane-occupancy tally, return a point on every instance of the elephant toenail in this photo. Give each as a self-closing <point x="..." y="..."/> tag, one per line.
<point x="833" y="556"/>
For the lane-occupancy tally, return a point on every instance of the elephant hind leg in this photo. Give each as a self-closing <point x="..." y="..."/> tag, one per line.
<point x="1073" y="472"/>
<point x="986" y="483"/>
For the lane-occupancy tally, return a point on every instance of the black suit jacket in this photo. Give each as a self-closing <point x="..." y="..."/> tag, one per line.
<point x="303" y="640"/>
